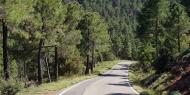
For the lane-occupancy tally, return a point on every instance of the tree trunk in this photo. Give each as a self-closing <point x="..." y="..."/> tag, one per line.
<point x="92" y="63"/>
<point x="20" y="70"/>
<point x="88" y="56"/>
<point x="48" y="71"/>
<point x="156" y="37"/>
<point x="5" y="51"/>
<point x="40" y="76"/>
<point x="178" y="37"/>
<point x="179" y="43"/>
<point x="56" y="65"/>
<point x="25" y="70"/>
<point x="87" y="65"/>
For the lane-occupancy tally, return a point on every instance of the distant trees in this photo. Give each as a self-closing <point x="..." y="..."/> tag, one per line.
<point x="121" y="18"/>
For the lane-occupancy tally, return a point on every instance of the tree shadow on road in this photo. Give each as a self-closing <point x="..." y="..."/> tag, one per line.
<point x="112" y="75"/>
<point x="123" y="68"/>
<point x="125" y="83"/>
<point x="120" y="94"/>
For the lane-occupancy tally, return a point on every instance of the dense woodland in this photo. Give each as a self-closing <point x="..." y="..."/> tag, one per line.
<point x="42" y="40"/>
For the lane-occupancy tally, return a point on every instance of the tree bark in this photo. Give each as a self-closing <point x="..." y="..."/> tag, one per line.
<point x="48" y="71"/>
<point x="40" y="76"/>
<point x="56" y="73"/>
<point x="87" y="65"/>
<point x="178" y="37"/>
<point x="5" y="51"/>
<point x="156" y="37"/>
<point x="92" y="63"/>
<point x="25" y="70"/>
<point x="88" y="55"/>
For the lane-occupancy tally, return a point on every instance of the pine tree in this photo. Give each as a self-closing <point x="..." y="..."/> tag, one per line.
<point x="177" y="24"/>
<point x="49" y="13"/>
<point x="151" y="21"/>
<point x="95" y="37"/>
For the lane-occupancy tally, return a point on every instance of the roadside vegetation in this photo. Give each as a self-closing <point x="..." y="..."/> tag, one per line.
<point x="67" y="81"/>
<point x="147" y="82"/>
<point x="163" y="67"/>
<point x="43" y="41"/>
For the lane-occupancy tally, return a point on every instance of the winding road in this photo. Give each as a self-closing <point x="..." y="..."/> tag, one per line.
<point x="113" y="82"/>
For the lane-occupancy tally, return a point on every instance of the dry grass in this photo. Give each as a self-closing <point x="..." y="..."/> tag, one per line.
<point x="64" y="82"/>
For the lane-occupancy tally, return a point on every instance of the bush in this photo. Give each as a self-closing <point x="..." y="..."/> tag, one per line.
<point x="9" y="87"/>
<point x="150" y="92"/>
<point x="108" y="56"/>
<point x="145" y="93"/>
<point x="175" y="93"/>
<point x="146" y="54"/>
<point x="163" y="60"/>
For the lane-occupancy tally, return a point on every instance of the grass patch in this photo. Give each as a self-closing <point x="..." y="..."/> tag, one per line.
<point x="136" y="77"/>
<point x="143" y="80"/>
<point x="148" y="81"/>
<point x="64" y="82"/>
<point x="104" y="66"/>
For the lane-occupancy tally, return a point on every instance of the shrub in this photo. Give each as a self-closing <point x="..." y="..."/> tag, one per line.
<point x="146" y="54"/>
<point x="9" y="87"/>
<point x="175" y="93"/>
<point x="107" y="56"/>
<point x="163" y="60"/>
<point x="145" y="93"/>
<point x="150" y="92"/>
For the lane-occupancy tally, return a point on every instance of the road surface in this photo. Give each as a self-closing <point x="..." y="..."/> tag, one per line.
<point x="113" y="82"/>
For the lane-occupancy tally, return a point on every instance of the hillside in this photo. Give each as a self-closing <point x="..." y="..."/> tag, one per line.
<point x="45" y="41"/>
<point x="121" y="16"/>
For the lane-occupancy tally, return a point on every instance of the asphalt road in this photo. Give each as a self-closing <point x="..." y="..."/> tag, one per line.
<point x="113" y="82"/>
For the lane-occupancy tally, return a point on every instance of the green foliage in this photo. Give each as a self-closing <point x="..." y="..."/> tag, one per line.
<point x="108" y="56"/>
<point x="177" y="28"/>
<point x="175" y="93"/>
<point x="163" y="26"/>
<point x="95" y="34"/>
<point x="9" y="87"/>
<point x="146" y="54"/>
<point x="121" y="18"/>
<point x="103" y="29"/>
<point x="163" y="60"/>
<point x="145" y="93"/>
<point x="55" y="22"/>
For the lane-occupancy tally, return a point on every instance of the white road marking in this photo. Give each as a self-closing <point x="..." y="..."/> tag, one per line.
<point x="67" y="89"/>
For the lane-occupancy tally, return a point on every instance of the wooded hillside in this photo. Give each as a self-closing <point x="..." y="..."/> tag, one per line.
<point x="42" y="40"/>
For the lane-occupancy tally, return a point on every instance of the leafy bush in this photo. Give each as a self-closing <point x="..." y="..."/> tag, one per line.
<point x="146" y="54"/>
<point x="9" y="87"/>
<point x="146" y="57"/>
<point x="145" y="93"/>
<point x="163" y="60"/>
<point x="150" y="92"/>
<point x="109" y="56"/>
<point x="175" y="93"/>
